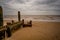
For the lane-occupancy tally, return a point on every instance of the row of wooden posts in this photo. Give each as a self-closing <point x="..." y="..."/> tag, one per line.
<point x="12" y="26"/>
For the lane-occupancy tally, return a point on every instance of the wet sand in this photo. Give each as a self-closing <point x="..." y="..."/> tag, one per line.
<point x="38" y="31"/>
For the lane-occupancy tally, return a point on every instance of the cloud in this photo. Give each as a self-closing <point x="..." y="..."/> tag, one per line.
<point x="41" y="5"/>
<point x="48" y="4"/>
<point x="20" y="1"/>
<point x="38" y="6"/>
<point x="44" y="2"/>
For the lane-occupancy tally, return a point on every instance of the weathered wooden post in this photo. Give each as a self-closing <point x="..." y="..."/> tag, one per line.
<point x="8" y="30"/>
<point x="23" y="22"/>
<point x="12" y="21"/>
<point x="2" y="30"/>
<point x="1" y="16"/>
<point x="31" y="23"/>
<point x="19" y="17"/>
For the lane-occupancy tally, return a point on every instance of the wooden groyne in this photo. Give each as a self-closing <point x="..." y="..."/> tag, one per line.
<point x="11" y="26"/>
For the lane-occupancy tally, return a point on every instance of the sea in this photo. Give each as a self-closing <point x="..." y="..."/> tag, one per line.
<point x="46" y="18"/>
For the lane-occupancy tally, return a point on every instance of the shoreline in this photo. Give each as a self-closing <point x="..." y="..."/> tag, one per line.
<point x="38" y="31"/>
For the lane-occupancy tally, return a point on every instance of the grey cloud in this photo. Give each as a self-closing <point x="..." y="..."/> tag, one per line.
<point x="41" y="5"/>
<point x="20" y="1"/>
<point x="7" y="11"/>
<point x="50" y="1"/>
<point x="2" y="2"/>
<point x="51" y="5"/>
<point x="28" y="0"/>
<point x="39" y="2"/>
<point x="56" y="5"/>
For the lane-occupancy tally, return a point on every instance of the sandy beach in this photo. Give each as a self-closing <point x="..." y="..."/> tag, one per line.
<point x="43" y="28"/>
<point x="38" y="31"/>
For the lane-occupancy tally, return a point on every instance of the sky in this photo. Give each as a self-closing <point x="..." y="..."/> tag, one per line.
<point x="31" y="7"/>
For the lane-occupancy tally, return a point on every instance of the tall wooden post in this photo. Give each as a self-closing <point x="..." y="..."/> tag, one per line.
<point x="19" y="18"/>
<point x="1" y="16"/>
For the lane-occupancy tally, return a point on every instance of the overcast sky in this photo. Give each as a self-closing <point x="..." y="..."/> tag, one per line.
<point x="31" y="7"/>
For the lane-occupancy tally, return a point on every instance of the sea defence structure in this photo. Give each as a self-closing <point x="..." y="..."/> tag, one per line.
<point x="2" y="28"/>
<point x="1" y="16"/>
<point x="19" y="17"/>
<point x="11" y="26"/>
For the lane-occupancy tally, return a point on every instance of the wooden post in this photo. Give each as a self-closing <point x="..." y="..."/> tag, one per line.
<point x="31" y="23"/>
<point x="19" y="18"/>
<point x="22" y="21"/>
<point x="1" y="16"/>
<point x="12" y="21"/>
